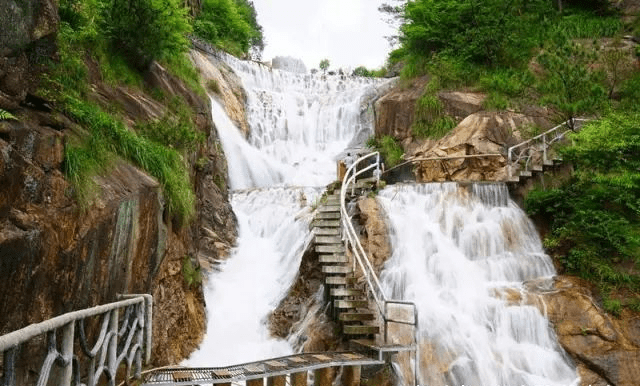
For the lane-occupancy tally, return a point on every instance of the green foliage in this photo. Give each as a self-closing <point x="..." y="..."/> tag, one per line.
<point x="612" y="306"/>
<point x="146" y="30"/>
<point x="389" y="149"/>
<point x="364" y="72"/>
<point x="213" y="86"/>
<point x="108" y="136"/>
<point x="5" y="116"/>
<point x="595" y="218"/>
<point x="192" y="275"/>
<point x="175" y="129"/>
<point x="569" y="83"/>
<point x="429" y="119"/>
<point x="231" y="25"/>
<point x="487" y="32"/>
<point x="324" y="65"/>
<point x="583" y="24"/>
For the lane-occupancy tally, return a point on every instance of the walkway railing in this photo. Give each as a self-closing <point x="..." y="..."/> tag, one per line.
<point x="373" y="283"/>
<point x="538" y="147"/>
<point x="114" y="345"/>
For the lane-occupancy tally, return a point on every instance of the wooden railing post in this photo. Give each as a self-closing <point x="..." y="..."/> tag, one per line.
<point x="67" y="353"/>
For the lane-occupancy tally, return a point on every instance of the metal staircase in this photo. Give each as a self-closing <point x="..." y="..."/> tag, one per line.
<point x="361" y="307"/>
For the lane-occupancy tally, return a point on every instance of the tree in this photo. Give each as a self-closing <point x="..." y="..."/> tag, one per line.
<point x="146" y="30"/>
<point x="324" y="65"/>
<point x="570" y="82"/>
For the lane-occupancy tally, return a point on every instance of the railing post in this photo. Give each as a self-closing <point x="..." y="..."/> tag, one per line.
<point x="544" y="150"/>
<point x="9" y="367"/>
<point x="67" y="354"/>
<point x="509" y="164"/>
<point x="112" y="353"/>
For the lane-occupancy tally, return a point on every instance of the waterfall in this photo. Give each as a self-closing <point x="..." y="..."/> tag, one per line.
<point x="299" y="125"/>
<point x="455" y="250"/>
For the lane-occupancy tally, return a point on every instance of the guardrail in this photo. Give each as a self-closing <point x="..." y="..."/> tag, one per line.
<point x="373" y="283"/>
<point x="103" y="359"/>
<point x="527" y="150"/>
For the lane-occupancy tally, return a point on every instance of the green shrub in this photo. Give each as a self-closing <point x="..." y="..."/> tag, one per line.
<point x="192" y="275"/>
<point x="213" y="86"/>
<point x="595" y="217"/>
<point x="175" y="129"/>
<point x="389" y="149"/>
<point x="146" y="30"/>
<point x="231" y="25"/>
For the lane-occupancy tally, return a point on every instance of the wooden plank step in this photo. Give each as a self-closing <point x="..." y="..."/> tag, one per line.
<point x="333" y="259"/>
<point x="355" y="316"/>
<point x="333" y="248"/>
<point x="341" y="292"/>
<point x="525" y="173"/>
<point x="329" y="208"/>
<point x="368" y="345"/>
<point x="326" y="223"/>
<point x="335" y="280"/>
<point x="327" y="216"/>
<point x="336" y="269"/>
<point x="326" y="231"/>
<point x="352" y="329"/>
<point x="328" y="240"/>
<point x="350" y="304"/>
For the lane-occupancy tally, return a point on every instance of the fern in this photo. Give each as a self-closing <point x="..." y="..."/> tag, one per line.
<point x="5" y="116"/>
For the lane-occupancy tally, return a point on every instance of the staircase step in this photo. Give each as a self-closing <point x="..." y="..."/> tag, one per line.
<point x="360" y="329"/>
<point x="335" y="280"/>
<point x="548" y="163"/>
<point x="333" y="259"/>
<point x="333" y="248"/>
<point x="336" y="269"/>
<point x="350" y="304"/>
<point x="515" y="179"/>
<point x="326" y="231"/>
<point x="525" y="173"/>
<point x="339" y="292"/>
<point x="327" y="216"/>
<point x="536" y="168"/>
<point x="328" y="240"/>
<point x="326" y="223"/>
<point x="355" y="316"/>
<point x="329" y="208"/>
<point x="370" y="346"/>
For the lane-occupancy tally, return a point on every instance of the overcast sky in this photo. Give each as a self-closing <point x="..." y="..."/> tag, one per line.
<point x="347" y="32"/>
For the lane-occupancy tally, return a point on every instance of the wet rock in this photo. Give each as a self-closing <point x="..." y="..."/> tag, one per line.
<point x="374" y="239"/>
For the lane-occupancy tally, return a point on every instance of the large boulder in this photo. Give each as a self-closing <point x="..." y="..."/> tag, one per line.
<point x="480" y="133"/>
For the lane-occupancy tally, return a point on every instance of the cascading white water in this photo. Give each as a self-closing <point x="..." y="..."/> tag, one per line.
<point x="455" y="249"/>
<point x="299" y="124"/>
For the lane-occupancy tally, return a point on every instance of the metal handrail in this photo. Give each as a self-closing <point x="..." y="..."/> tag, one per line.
<point x="104" y="357"/>
<point x="546" y="144"/>
<point x="374" y="286"/>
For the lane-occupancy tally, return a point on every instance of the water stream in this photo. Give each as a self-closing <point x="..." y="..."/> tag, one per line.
<point x="299" y="125"/>
<point x="456" y="249"/>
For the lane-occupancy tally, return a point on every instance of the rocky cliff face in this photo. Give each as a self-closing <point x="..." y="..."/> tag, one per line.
<point x="57" y="256"/>
<point x="605" y="349"/>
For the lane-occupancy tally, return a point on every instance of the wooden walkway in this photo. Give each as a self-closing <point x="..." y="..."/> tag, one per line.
<point x="271" y="369"/>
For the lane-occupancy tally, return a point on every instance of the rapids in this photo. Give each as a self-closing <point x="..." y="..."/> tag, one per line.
<point x="455" y="250"/>
<point x="299" y="124"/>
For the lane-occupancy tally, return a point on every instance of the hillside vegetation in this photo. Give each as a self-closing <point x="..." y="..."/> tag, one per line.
<point x="573" y="60"/>
<point x="121" y="39"/>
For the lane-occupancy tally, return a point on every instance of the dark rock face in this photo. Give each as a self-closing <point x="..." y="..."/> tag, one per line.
<point x="27" y="37"/>
<point x="57" y="256"/>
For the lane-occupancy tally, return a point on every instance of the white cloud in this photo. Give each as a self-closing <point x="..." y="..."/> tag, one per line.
<point x="347" y="32"/>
